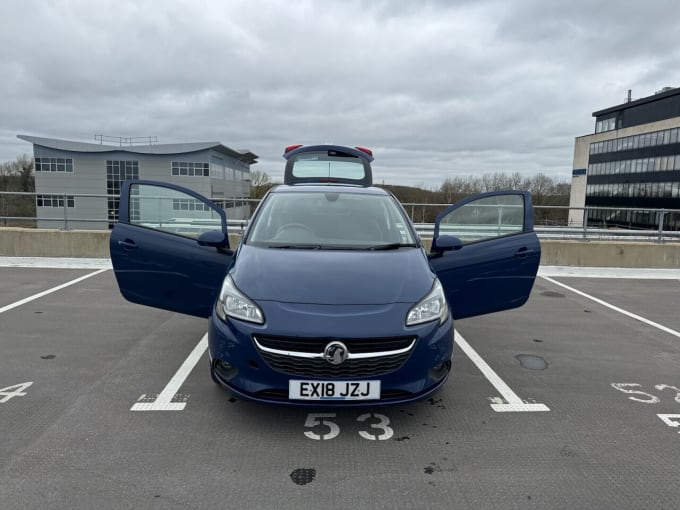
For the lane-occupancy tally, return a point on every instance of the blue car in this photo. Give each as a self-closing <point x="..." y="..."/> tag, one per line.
<point x="330" y="298"/>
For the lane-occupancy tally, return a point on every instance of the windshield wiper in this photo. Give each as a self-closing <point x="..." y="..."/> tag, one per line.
<point x="389" y="246"/>
<point x="296" y="246"/>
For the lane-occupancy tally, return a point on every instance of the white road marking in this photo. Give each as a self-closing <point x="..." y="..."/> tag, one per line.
<point x="635" y="273"/>
<point x="56" y="262"/>
<point x="512" y="402"/>
<point x="672" y="420"/>
<point x="164" y="400"/>
<point x="18" y="390"/>
<point x="615" y="308"/>
<point x="49" y="291"/>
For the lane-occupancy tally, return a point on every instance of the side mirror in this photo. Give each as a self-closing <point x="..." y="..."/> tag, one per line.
<point x="446" y="243"/>
<point x="215" y="238"/>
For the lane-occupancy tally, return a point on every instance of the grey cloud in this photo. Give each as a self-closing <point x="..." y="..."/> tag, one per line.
<point x="435" y="87"/>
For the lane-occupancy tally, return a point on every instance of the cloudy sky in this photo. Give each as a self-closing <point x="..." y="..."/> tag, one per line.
<point x="435" y="88"/>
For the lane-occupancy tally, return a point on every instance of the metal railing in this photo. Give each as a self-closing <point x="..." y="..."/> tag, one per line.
<point x="550" y="222"/>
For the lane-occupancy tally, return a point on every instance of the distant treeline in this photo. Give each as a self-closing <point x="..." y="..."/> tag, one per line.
<point x="545" y="190"/>
<point x="17" y="176"/>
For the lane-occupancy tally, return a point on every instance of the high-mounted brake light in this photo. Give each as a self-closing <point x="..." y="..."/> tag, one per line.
<point x="364" y="149"/>
<point x="291" y="148"/>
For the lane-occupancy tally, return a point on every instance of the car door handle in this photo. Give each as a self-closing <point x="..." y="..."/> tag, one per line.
<point x="524" y="252"/>
<point x="128" y="244"/>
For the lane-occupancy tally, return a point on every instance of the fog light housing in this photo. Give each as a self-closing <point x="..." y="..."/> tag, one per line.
<point x="439" y="371"/>
<point x="225" y="370"/>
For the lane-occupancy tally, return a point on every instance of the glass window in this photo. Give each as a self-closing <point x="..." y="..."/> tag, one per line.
<point x="652" y="139"/>
<point x="53" y="164"/>
<point x="157" y="208"/>
<point x="190" y="169"/>
<point x="331" y="219"/>
<point x="54" y="201"/>
<point x="674" y="135"/>
<point x="328" y="165"/>
<point x="667" y="190"/>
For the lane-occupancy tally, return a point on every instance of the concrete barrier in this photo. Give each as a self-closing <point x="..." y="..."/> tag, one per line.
<point x="30" y="242"/>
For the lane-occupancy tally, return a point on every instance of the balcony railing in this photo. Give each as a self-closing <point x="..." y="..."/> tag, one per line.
<point x="18" y="209"/>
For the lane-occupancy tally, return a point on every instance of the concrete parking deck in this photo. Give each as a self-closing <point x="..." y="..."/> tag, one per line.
<point x="592" y="363"/>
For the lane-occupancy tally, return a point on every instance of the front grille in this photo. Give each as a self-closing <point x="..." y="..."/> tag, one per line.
<point x="317" y="345"/>
<point x="304" y="356"/>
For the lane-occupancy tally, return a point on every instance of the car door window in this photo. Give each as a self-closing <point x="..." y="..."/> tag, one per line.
<point x="170" y="210"/>
<point x="487" y="217"/>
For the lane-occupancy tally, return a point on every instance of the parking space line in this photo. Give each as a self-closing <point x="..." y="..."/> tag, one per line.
<point x="163" y="402"/>
<point x="512" y="404"/>
<point x="615" y="308"/>
<point x="49" y="291"/>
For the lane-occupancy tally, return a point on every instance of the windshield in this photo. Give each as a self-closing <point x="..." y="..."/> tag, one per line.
<point x="330" y="220"/>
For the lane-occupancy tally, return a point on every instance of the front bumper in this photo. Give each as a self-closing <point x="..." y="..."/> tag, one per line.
<point x="237" y="363"/>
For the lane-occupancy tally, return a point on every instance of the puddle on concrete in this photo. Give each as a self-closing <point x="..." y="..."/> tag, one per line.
<point x="531" y="362"/>
<point x="303" y="476"/>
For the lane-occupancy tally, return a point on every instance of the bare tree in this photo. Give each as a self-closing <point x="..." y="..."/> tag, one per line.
<point x="259" y="183"/>
<point x="17" y="176"/>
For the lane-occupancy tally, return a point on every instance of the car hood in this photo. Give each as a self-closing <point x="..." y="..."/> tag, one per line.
<point x="332" y="277"/>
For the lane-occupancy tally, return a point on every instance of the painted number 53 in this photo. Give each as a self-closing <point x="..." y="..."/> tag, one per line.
<point x="325" y="424"/>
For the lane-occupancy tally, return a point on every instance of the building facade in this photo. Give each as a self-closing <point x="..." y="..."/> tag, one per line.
<point x="631" y="161"/>
<point x="82" y="180"/>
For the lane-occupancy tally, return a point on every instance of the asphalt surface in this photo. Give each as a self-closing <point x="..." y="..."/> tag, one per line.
<point x="71" y="440"/>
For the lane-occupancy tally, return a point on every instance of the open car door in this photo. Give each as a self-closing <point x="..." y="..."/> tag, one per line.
<point x="486" y="253"/>
<point x="170" y="248"/>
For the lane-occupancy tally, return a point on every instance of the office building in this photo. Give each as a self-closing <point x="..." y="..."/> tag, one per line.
<point x="631" y="161"/>
<point x="82" y="180"/>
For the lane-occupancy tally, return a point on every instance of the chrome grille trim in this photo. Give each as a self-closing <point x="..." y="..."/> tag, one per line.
<point x="350" y="355"/>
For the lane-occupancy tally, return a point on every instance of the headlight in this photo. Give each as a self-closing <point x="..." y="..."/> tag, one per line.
<point x="431" y="307"/>
<point x="233" y="303"/>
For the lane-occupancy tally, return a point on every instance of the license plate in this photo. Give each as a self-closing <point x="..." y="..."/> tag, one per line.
<point x="334" y="390"/>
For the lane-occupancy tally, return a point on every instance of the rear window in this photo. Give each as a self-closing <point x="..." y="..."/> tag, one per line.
<point x="328" y="165"/>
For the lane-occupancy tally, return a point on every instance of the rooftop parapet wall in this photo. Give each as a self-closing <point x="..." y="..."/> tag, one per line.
<point x="29" y="242"/>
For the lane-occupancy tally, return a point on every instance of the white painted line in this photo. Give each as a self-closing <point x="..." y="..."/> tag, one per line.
<point x="616" y="308"/>
<point x="56" y="262"/>
<point x="164" y="400"/>
<point x="635" y="273"/>
<point x="512" y="402"/>
<point x="49" y="291"/>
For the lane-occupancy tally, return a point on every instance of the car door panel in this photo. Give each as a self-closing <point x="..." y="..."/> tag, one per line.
<point x="156" y="263"/>
<point x="497" y="271"/>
